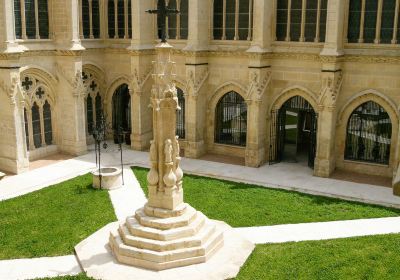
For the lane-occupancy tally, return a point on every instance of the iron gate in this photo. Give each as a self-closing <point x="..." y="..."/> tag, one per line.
<point x="278" y="131"/>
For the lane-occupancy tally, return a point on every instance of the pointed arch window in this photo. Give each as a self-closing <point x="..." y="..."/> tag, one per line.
<point x="369" y="133"/>
<point x="180" y="115"/>
<point x="31" y="19"/>
<point x="119" y="15"/>
<point x="231" y="120"/>
<point x="233" y="19"/>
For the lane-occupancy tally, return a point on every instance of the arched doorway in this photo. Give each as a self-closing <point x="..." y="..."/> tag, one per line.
<point x="121" y="114"/>
<point x="293" y="132"/>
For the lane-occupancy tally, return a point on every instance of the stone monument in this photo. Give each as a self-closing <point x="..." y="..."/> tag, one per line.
<point x="166" y="232"/>
<point x="166" y="238"/>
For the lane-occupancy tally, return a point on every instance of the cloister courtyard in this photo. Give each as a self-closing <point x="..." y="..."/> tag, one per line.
<point x="304" y="227"/>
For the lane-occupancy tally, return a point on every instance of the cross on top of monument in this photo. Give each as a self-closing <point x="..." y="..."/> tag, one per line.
<point x="162" y="13"/>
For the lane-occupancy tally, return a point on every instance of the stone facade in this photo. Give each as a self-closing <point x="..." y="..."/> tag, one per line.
<point x="334" y="76"/>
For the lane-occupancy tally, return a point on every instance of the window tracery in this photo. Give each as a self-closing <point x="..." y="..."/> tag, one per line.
<point x="37" y="112"/>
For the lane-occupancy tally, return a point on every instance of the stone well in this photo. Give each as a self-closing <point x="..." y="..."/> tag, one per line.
<point x="111" y="178"/>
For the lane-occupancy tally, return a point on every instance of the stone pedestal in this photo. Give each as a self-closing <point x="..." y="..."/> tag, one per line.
<point x="166" y="233"/>
<point x="158" y="239"/>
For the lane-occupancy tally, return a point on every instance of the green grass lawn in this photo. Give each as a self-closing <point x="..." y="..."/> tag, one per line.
<point x="372" y="257"/>
<point x="50" y="222"/>
<point x="243" y="205"/>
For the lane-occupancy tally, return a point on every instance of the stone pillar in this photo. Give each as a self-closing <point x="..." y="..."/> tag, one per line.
<point x="13" y="150"/>
<point x="327" y="114"/>
<point x="71" y="113"/>
<point x="165" y="185"/>
<point x="196" y="77"/>
<point x="199" y="28"/>
<point x="66" y="27"/>
<point x="142" y="55"/>
<point x="334" y="39"/>
<point x="263" y="26"/>
<point x="195" y="101"/>
<point x="8" y="43"/>
<point x="259" y="81"/>
<point x="143" y="31"/>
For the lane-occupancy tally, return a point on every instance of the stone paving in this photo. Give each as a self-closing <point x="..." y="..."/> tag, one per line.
<point x="130" y="197"/>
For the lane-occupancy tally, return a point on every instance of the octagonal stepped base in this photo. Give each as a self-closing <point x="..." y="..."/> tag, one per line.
<point x="170" y="239"/>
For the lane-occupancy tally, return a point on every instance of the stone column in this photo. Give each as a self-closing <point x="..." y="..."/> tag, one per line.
<point x="196" y="77"/>
<point x="331" y="80"/>
<point x="199" y="29"/>
<point x="327" y="114"/>
<point x="8" y="43"/>
<point x="13" y="150"/>
<point x="165" y="185"/>
<point x="259" y="81"/>
<point x="263" y="26"/>
<point x="334" y="38"/>
<point x="142" y="55"/>
<point x="71" y="113"/>
<point x="143" y="36"/>
<point x="66" y="30"/>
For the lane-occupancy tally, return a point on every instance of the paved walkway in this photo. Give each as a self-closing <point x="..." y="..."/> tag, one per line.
<point x="320" y="231"/>
<point x="40" y="267"/>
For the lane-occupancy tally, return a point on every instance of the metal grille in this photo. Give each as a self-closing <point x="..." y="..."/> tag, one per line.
<point x="180" y="115"/>
<point x="369" y="133"/>
<point x="48" y="130"/>
<point x="278" y="130"/>
<point x="231" y="120"/>
<point x="122" y="113"/>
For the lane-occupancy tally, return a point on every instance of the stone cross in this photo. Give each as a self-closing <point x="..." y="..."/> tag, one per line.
<point x="162" y="13"/>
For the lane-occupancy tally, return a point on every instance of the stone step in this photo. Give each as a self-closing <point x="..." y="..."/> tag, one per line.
<point x="165" y="213"/>
<point x="156" y="245"/>
<point x="162" y="257"/>
<point x="149" y="264"/>
<point x="166" y="223"/>
<point x="136" y="229"/>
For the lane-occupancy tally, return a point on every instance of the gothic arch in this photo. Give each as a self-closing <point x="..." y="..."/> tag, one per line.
<point x="123" y="79"/>
<point x="41" y="74"/>
<point x="290" y="92"/>
<point x="92" y="72"/>
<point x="353" y="103"/>
<point x="223" y="89"/>
<point x="368" y="95"/>
<point x="35" y="78"/>
<point x="213" y="102"/>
